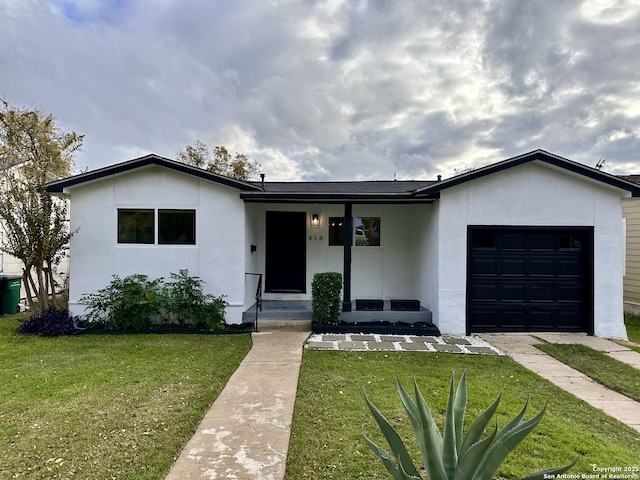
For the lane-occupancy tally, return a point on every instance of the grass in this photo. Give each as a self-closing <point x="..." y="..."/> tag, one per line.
<point x="607" y="371"/>
<point x="330" y="413"/>
<point x="632" y="323"/>
<point x="105" y="406"/>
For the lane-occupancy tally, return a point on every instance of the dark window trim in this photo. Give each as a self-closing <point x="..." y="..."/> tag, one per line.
<point x="140" y="211"/>
<point x="156" y="226"/>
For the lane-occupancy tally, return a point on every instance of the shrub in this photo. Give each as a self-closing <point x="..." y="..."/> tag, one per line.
<point x="126" y="303"/>
<point x="185" y="303"/>
<point x="50" y="323"/>
<point x="325" y="297"/>
<point x="454" y="456"/>
<point x="137" y="303"/>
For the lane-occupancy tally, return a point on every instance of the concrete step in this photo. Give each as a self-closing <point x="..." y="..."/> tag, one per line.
<point x="283" y="325"/>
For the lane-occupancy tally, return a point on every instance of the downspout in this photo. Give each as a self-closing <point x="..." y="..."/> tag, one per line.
<point x="348" y="241"/>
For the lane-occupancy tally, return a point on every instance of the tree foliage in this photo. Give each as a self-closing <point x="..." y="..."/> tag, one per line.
<point x="218" y="160"/>
<point x="34" y="151"/>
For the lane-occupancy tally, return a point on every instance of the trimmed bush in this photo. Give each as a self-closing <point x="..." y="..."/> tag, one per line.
<point x="325" y="297"/>
<point x="50" y="323"/>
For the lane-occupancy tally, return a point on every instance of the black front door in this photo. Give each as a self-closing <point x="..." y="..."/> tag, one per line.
<point x="286" y="252"/>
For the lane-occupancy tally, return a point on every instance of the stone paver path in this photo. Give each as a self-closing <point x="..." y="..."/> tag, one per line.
<point x="414" y="343"/>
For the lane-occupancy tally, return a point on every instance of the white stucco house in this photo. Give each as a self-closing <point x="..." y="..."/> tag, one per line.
<point x="531" y="243"/>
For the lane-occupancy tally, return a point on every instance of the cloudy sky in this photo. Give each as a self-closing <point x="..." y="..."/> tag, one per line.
<point x="335" y="89"/>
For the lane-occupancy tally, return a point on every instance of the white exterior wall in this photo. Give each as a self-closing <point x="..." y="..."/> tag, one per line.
<point x="251" y="258"/>
<point x="533" y="194"/>
<point x="384" y="272"/>
<point x="426" y="231"/>
<point x="217" y="257"/>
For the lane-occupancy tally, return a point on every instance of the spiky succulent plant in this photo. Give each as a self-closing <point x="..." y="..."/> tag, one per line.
<point x="454" y="456"/>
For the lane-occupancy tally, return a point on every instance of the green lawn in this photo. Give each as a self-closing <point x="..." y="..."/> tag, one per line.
<point x="330" y="413"/>
<point x="611" y="373"/>
<point x="105" y="406"/>
<point x="633" y="329"/>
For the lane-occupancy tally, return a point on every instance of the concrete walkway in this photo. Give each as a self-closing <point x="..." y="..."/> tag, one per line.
<point x="245" y="434"/>
<point x="521" y="348"/>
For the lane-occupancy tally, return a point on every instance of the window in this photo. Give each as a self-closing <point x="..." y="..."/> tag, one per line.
<point x="175" y="227"/>
<point x="336" y="232"/>
<point x="135" y="226"/>
<point x="366" y="232"/>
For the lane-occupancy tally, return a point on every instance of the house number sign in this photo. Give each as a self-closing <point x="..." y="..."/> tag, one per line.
<point x="315" y="237"/>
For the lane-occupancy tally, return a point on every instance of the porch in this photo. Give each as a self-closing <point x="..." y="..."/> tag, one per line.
<point x="297" y="314"/>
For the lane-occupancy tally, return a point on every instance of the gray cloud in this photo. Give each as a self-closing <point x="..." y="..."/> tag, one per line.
<point x="336" y="89"/>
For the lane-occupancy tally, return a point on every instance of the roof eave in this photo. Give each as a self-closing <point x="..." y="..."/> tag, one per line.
<point x="536" y="155"/>
<point x="63" y="186"/>
<point x="333" y="197"/>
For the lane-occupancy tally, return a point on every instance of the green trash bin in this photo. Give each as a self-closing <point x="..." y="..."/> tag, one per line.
<point x="9" y="293"/>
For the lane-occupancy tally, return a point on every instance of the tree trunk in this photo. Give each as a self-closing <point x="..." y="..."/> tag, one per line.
<point x="52" y="283"/>
<point x="26" y="280"/>
<point x="42" y="292"/>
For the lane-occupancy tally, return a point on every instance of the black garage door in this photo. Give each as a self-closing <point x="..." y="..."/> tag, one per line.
<point x="530" y="279"/>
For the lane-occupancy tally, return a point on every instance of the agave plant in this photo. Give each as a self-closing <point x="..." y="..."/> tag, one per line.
<point x="454" y="456"/>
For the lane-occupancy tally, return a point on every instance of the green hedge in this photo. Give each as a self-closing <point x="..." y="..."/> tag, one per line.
<point x="325" y="297"/>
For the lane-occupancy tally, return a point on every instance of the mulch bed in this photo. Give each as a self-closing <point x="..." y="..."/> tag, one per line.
<point x="399" y="328"/>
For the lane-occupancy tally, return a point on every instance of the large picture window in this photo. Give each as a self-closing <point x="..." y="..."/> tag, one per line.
<point x="135" y="226"/>
<point x="366" y="231"/>
<point x="175" y="226"/>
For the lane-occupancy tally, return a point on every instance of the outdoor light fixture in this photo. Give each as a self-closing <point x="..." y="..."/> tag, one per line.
<point x="315" y="220"/>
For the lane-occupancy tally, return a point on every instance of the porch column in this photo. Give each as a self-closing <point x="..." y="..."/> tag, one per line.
<point x="348" y="241"/>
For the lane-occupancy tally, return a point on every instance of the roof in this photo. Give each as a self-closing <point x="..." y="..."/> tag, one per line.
<point x="357" y="191"/>
<point x="635" y="178"/>
<point x="61" y="186"/>
<point x="534" y="156"/>
<point x="390" y="191"/>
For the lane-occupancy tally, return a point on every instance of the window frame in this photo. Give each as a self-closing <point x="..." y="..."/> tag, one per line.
<point x="192" y="234"/>
<point x="156" y="241"/>
<point x="354" y="225"/>
<point x="135" y="210"/>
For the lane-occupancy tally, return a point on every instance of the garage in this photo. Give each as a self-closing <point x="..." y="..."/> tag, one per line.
<point x="527" y="279"/>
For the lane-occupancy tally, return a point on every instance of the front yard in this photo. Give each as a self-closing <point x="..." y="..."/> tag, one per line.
<point x="330" y="413"/>
<point x="105" y="406"/>
<point x="123" y="406"/>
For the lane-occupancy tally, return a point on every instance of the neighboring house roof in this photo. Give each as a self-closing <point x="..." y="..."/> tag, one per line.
<point x="61" y="186"/>
<point x="390" y="191"/>
<point x="635" y="178"/>
<point x="540" y="156"/>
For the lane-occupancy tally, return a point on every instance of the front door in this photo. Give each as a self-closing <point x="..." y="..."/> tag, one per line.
<point x="286" y="252"/>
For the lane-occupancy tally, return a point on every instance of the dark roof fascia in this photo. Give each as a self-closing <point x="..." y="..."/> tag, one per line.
<point x="141" y="162"/>
<point x="306" y="197"/>
<point x="539" y="155"/>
